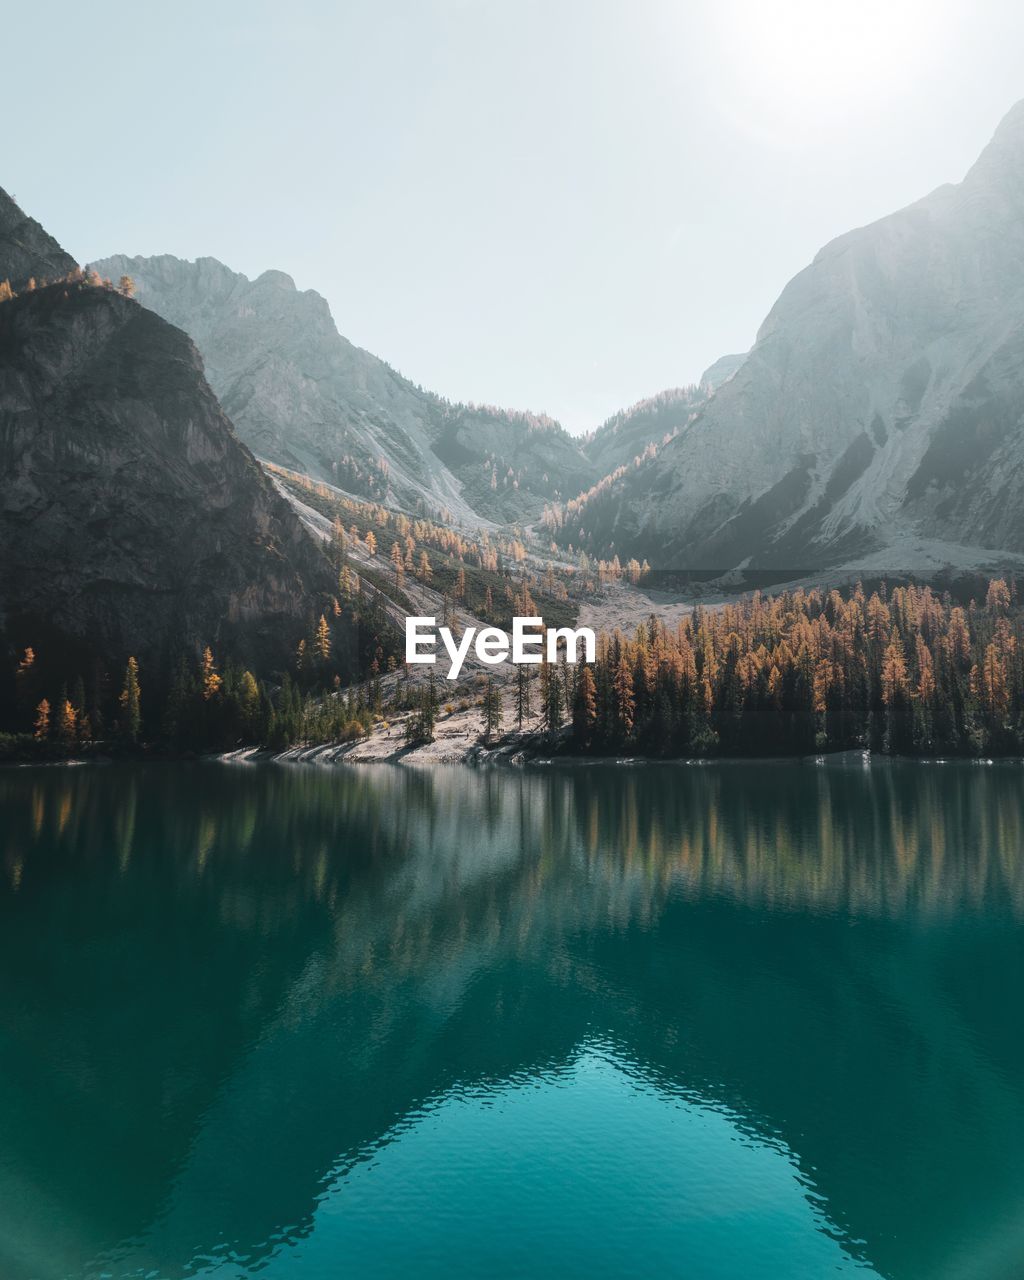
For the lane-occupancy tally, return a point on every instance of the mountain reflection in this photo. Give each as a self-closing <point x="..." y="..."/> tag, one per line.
<point x="224" y="985"/>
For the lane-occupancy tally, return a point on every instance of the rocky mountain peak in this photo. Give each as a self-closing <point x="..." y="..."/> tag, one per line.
<point x="878" y="419"/>
<point x="1001" y="165"/>
<point x="132" y="519"/>
<point x="27" y="251"/>
<point x="279" y="278"/>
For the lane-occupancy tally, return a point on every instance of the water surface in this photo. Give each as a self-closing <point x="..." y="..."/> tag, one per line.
<point x="727" y="1021"/>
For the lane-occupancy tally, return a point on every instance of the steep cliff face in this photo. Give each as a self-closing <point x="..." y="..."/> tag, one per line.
<point x="132" y="520"/>
<point x="301" y="395"/>
<point x="26" y="250"/>
<point x="880" y="411"/>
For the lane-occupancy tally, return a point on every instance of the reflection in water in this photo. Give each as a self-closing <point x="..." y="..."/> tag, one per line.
<point x="328" y="1022"/>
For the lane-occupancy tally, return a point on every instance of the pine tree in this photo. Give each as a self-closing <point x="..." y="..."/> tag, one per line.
<point x="397" y="564"/>
<point x="209" y="678"/>
<point x="250" y="702"/>
<point x="339" y="543"/>
<point x="130" y="703"/>
<point x="523" y="709"/>
<point x="492" y="709"/>
<point x="419" y="727"/>
<point x="41" y="727"/>
<point x="322" y="641"/>
<point x="67" y="723"/>
<point x="26" y="685"/>
<point x="624" y="703"/>
<point x="551" y="697"/>
<point x="584" y="708"/>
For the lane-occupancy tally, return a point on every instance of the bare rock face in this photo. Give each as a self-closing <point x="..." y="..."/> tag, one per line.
<point x="303" y="396"/>
<point x="27" y="251"/>
<point x="132" y="520"/>
<point x="880" y="415"/>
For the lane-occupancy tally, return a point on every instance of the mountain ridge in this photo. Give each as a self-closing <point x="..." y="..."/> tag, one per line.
<point x="132" y="520"/>
<point x="303" y="396"/>
<point x="27" y="250"/>
<point x="878" y="410"/>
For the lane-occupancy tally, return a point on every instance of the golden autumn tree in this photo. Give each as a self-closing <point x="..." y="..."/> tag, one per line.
<point x="67" y="723"/>
<point x="130" y="702"/>
<point x="397" y="564"/>
<point x="209" y="678"/>
<point x="41" y="727"/>
<point x="322" y="640"/>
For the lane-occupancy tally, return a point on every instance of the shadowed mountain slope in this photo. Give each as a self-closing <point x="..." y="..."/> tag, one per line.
<point x="132" y="520"/>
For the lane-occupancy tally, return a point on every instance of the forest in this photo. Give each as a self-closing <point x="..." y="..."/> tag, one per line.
<point x="905" y="671"/>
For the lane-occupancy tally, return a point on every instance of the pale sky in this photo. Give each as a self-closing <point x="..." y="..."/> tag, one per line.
<point x="557" y="205"/>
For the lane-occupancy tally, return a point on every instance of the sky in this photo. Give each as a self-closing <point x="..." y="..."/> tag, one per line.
<point x="555" y="205"/>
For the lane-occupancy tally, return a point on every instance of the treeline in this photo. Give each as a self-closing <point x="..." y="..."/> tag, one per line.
<point x="204" y="709"/>
<point x="332" y="691"/>
<point x="906" y="672"/>
<point x="76" y="276"/>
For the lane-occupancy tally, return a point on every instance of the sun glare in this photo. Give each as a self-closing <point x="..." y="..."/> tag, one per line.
<point x="789" y="69"/>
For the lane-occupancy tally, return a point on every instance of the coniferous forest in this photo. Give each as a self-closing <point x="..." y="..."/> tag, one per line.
<point x="906" y="671"/>
<point x="902" y="672"/>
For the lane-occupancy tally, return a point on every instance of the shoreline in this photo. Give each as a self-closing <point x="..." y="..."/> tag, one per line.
<point x="516" y="757"/>
<point x="458" y="742"/>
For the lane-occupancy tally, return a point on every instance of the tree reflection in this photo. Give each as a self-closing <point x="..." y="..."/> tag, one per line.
<point x="223" y="985"/>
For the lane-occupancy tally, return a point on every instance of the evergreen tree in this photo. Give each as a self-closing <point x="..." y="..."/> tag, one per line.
<point x="26" y="685"/>
<point x="67" y="723"/>
<point x="130" y="703"/>
<point x="210" y="679"/>
<point x="584" y="709"/>
<point x="41" y="728"/>
<point x="551" y="698"/>
<point x="523" y="709"/>
<point x="492" y="709"/>
<point x="322" y="641"/>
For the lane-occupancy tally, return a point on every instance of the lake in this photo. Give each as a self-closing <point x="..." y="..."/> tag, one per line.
<point x="731" y="1021"/>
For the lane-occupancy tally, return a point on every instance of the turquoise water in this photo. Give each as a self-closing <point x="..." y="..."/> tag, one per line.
<point x="726" y="1021"/>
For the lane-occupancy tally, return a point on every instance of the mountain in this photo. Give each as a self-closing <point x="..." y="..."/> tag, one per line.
<point x="626" y="434"/>
<point x="132" y="520"/>
<point x="302" y="396"/>
<point x="878" y="417"/>
<point x="721" y="371"/>
<point x="27" y="252"/>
